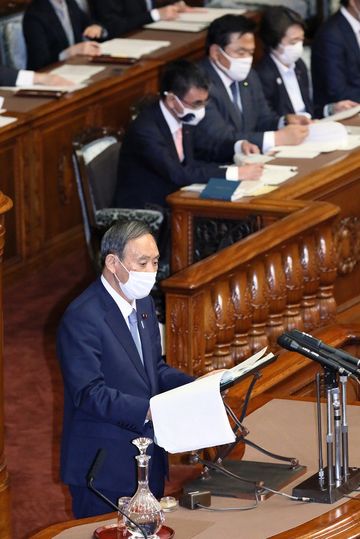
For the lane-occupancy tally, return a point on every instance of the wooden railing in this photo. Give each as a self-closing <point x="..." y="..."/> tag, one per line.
<point x="5" y="205"/>
<point x="233" y="303"/>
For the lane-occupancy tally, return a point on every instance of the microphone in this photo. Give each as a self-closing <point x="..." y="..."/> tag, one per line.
<point x="90" y="478"/>
<point x="287" y="342"/>
<point x="320" y="345"/>
<point x="313" y="344"/>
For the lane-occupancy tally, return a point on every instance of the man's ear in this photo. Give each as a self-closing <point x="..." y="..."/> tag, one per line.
<point x="110" y="262"/>
<point x="214" y="52"/>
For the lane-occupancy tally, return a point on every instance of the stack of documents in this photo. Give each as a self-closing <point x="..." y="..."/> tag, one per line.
<point x="193" y="416"/>
<point x="78" y="74"/>
<point x="131" y="48"/>
<point x="193" y="21"/>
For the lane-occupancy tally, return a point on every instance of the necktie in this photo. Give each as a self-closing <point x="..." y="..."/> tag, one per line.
<point x="135" y="332"/>
<point x="234" y="87"/>
<point x="179" y="144"/>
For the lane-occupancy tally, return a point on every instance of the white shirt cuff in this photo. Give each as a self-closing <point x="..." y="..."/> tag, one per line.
<point x="155" y="15"/>
<point x="64" y="55"/>
<point x="328" y="110"/>
<point x="238" y="146"/>
<point x="25" y="78"/>
<point x="268" y="141"/>
<point x="232" y="173"/>
<point x="281" y="122"/>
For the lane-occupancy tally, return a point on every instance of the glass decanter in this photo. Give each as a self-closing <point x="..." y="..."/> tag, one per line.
<point x="144" y="509"/>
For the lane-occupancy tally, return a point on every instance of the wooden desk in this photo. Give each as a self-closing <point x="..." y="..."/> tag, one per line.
<point x="279" y="426"/>
<point x="35" y="155"/>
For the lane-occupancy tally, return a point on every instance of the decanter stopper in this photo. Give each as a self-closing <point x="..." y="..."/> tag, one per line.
<point x="143" y="507"/>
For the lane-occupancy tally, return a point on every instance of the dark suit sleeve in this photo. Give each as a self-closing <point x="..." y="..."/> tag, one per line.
<point x="37" y="44"/>
<point x="8" y="76"/>
<point x="153" y="151"/>
<point x="329" y="66"/>
<point x="117" y="19"/>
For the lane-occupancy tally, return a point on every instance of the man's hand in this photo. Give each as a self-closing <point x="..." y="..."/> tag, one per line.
<point x="94" y="31"/>
<point x="48" y="79"/>
<point x="291" y="135"/>
<point x="248" y="148"/>
<point x="88" y="48"/>
<point x="250" y="172"/>
<point x="297" y="119"/>
<point x="346" y="104"/>
<point x="169" y="13"/>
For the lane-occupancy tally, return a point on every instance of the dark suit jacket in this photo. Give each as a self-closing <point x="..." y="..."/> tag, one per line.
<point x="8" y="76"/>
<point x="274" y="87"/>
<point x="335" y="62"/>
<point x="44" y="35"/>
<point x="149" y="167"/>
<point x="225" y="119"/>
<point x="120" y="16"/>
<point x="107" y="390"/>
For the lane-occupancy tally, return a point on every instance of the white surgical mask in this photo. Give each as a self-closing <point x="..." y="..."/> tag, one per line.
<point x="289" y="54"/>
<point x="239" y="67"/>
<point x="190" y="116"/>
<point x="139" y="283"/>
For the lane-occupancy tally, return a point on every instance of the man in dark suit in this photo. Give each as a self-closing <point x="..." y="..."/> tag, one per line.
<point x="335" y="60"/>
<point x="121" y="16"/>
<point x="237" y="108"/>
<point x="110" y="374"/>
<point x="55" y="29"/>
<point x="156" y="156"/>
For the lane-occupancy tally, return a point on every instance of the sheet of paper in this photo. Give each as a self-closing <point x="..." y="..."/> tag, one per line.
<point x="353" y="141"/>
<point x="329" y="133"/>
<point x="342" y="115"/>
<point x="177" y="26"/>
<point x="241" y="159"/>
<point x="6" y="120"/>
<point x="246" y="188"/>
<point x="244" y="366"/>
<point x="276" y="174"/>
<point x="131" y="48"/>
<point x="45" y="88"/>
<point x="1" y="103"/>
<point x="207" y="15"/>
<point x="194" y="187"/>
<point x="191" y="417"/>
<point x="77" y="73"/>
<point x="294" y="152"/>
<point x="353" y="129"/>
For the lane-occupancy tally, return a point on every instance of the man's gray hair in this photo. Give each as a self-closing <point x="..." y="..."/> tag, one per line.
<point x="118" y="235"/>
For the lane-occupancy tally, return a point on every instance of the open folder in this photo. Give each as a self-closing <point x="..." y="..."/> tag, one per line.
<point x="193" y="416"/>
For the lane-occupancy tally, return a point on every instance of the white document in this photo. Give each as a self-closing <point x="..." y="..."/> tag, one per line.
<point x="329" y="133"/>
<point x="342" y="115"/>
<point x="77" y="73"/>
<point x="353" y="141"/>
<point x="194" y="187"/>
<point x="207" y="15"/>
<point x="353" y="129"/>
<point x="245" y="366"/>
<point x="295" y="152"/>
<point x="1" y="103"/>
<point x="177" y="26"/>
<point x="6" y="120"/>
<point x="191" y="417"/>
<point x="247" y="188"/>
<point x="131" y="48"/>
<point x="276" y="174"/>
<point x="241" y="159"/>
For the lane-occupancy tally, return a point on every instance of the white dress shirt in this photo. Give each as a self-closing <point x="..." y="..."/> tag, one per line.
<point x="125" y="307"/>
<point x="354" y="23"/>
<point x="25" y="78"/>
<point x="289" y="79"/>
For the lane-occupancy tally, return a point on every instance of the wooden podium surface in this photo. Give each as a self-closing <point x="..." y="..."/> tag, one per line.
<point x="284" y="426"/>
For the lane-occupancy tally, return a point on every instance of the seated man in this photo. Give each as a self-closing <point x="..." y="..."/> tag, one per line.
<point x="14" y="77"/>
<point x="282" y="72"/>
<point x="335" y="61"/>
<point x="55" y="29"/>
<point x="121" y="16"/>
<point x="237" y="108"/>
<point x="156" y="157"/>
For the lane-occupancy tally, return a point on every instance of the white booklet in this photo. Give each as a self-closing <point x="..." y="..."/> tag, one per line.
<point x="193" y="416"/>
<point x="131" y="48"/>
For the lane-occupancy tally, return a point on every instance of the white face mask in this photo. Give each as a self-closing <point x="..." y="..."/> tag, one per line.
<point x="289" y="54"/>
<point x="139" y="283"/>
<point x="239" y="67"/>
<point x="190" y="116"/>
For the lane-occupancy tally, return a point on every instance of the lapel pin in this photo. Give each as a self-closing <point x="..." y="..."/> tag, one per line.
<point x="278" y="81"/>
<point x="144" y="316"/>
<point x="245" y="83"/>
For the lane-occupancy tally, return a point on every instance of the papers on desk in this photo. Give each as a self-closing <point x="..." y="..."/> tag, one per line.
<point x="193" y="416"/>
<point x="193" y="21"/>
<point x="77" y="74"/>
<point x="241" y="159"/>
<point x="277" y="174"/>
<point x="132" y="48"/>
<point x="6" y="120"/>
<point x="344" y="115"/>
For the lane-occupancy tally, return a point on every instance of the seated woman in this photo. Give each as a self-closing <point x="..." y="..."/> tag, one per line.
<point x="57" y="29"/>
<point x="282" y="72"/>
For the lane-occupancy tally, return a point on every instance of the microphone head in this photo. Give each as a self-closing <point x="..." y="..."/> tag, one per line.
<point x="286" y="341"/>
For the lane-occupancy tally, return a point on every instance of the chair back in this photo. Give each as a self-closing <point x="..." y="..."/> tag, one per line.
<point x="95" y="159"/>
<point x="12" y="42"/>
